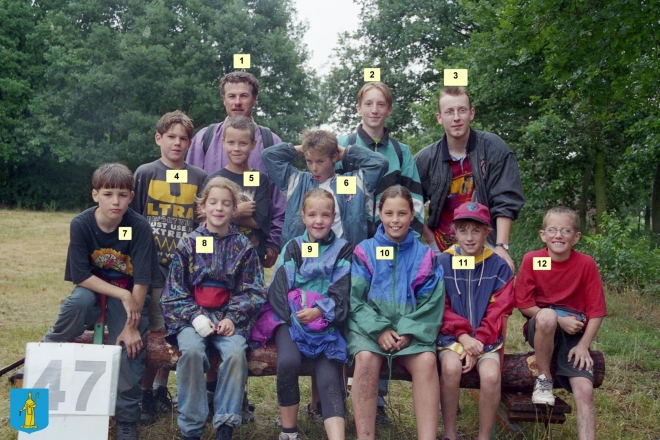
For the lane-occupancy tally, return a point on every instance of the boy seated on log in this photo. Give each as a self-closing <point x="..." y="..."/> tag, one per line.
<point x="471" y="334"/>
<point x="560" y="292"/>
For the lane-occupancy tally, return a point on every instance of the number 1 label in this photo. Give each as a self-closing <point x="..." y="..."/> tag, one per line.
<point x="241" y="61"/>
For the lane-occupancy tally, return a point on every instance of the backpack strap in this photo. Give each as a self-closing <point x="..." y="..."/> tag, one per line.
<point x="266" y="136"/>
<point x="208" y="136"/>
<point x="399" y="153"/>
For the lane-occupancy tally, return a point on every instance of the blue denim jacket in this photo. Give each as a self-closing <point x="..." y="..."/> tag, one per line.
<point x="294" y="184"/>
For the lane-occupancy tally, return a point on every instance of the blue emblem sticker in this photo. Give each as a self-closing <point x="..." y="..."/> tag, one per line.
<point x="472" y="206"/>
<point x="28" y="409"/>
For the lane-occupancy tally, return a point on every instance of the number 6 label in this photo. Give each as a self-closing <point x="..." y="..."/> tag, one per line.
<point x="81" y="379"/>
<point x="346" y="185"/>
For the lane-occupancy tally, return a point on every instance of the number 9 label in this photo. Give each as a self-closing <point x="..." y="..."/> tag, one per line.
<point x="310" y="250"/>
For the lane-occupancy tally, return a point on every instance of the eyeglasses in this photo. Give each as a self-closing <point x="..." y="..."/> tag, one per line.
<point x="461" y="111"/>
<point x="552" y="232"/>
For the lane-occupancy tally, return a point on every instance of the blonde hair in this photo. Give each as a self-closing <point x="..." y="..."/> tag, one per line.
<point x="319" y="141"/>
<point x="318" y="193"/>
<point x="217" y="182"/>
<point x="562" y="210"/>
<point x="376" y="85"/>
<point x="454" y="91"/>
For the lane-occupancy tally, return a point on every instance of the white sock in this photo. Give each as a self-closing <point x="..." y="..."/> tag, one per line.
<point x="158" y="382"/>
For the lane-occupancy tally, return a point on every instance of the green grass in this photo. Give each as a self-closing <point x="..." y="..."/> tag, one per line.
<point x="31" y="287"/>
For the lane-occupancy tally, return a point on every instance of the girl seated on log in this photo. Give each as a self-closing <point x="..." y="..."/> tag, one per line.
<point x="309" y="295"/>
<point x="396" y="307"/>
<point x="213" y="294"/>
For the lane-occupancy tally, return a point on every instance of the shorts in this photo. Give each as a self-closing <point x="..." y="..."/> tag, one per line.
<point x="563" y="344"/>
<point x="458" y="348"/>
<point x="154" y="312"/>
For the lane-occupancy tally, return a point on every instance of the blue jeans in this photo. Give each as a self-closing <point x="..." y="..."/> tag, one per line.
<point x="191" y="384"/>
<point x="382" y="391"/>
<point x="80" y="310"/>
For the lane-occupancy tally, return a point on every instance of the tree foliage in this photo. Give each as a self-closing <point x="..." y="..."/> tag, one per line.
<point x="103" y="71"/>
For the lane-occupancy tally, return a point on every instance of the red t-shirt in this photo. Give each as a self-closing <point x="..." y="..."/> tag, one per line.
<point x="573" y="283"/>
<point x="460" y="191"/>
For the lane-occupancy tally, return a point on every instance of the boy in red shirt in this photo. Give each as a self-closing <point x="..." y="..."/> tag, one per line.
<point x="564" y="307"/>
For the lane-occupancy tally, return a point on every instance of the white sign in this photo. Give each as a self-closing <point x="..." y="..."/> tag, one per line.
<point x="81" y="378"/>
<point x="82" y="388"/>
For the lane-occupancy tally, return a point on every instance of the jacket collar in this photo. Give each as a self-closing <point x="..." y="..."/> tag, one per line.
<point x="327" y="242"/>
<point x="456" y="250"/>
<point x="383" y="240"/>
<point x="444" y="147"/>
<point x="232" y="231"/>
<point x="369" y="141"/>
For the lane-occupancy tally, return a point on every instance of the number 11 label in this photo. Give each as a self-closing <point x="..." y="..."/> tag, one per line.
<point x="459" y="262"/>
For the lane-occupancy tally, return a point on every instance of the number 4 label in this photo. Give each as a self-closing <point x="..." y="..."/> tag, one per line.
<point x="176" y="176"/>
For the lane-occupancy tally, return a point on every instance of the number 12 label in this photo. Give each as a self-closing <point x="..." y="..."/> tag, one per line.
<point x="541" y="263"/>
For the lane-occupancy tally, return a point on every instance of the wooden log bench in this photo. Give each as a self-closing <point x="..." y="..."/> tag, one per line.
<point x="519" y="372"/>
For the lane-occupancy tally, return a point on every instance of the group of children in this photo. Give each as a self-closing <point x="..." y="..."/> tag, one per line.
<point x="353" y="283"/>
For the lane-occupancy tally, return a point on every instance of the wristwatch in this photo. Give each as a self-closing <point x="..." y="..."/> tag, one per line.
<point x="505" y="246"/>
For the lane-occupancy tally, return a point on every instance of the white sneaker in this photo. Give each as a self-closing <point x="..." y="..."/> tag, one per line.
<point x="285" y="436"/>
<point x="543" y="391"/>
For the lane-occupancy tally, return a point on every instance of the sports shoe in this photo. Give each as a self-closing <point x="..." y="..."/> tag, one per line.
<point x="543" y="391"/>
<point x="125" y="431"/>
<point x="315" y="415"/>
<point x="247" y="412"/>
<point x="381" y="416"/>
<point x="224" y="432"/>
<point x="286" y="436"/>
<point x="163" y="400"/>
<point x="147" y="408"/>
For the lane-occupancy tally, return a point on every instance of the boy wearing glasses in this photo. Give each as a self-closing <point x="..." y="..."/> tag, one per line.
<point x="467" y="165"/>
<point x="565" y="306"/>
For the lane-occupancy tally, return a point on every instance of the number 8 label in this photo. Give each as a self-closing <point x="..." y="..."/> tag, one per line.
<point x="204" y="245"/>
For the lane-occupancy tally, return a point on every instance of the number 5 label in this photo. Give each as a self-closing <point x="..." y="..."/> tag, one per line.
<point x="81" y="379"/>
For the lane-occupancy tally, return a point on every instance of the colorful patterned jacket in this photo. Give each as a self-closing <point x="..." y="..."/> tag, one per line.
<point x="405" y="294"/>
<point x="233" y="266"/>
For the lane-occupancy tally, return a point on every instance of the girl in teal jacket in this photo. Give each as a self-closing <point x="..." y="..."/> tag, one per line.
<point x="397" y="302"/>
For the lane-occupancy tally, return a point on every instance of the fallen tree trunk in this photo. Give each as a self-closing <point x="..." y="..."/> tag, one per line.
<point x="518" y="370"/>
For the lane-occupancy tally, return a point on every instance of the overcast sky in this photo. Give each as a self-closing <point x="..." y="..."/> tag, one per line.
<point x="326" y="19"/>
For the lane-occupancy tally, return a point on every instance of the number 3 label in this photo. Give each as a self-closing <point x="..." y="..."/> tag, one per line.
<point x="81" y="379"/>
<point x="456" y="77"/>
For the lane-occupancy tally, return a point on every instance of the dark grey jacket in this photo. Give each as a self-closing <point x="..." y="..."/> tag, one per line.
<point x="496" y="176"/>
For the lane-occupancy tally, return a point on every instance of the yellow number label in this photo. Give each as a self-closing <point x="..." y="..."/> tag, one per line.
<point x="176" y="176"/>
<point x="241" y="61"/>
<point x="384" y="253"/>
<point x="459" y="262"/>
<point x="456" y="77"/>
<point x="346" y="185"/>
<point x="372" y="74"/>
<point x="126" y="233"/>
<point x="251" y="178"/>
<point x="310" y="250"/>
<point x="541" y="263"/>
<point x="204" y="245"/>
